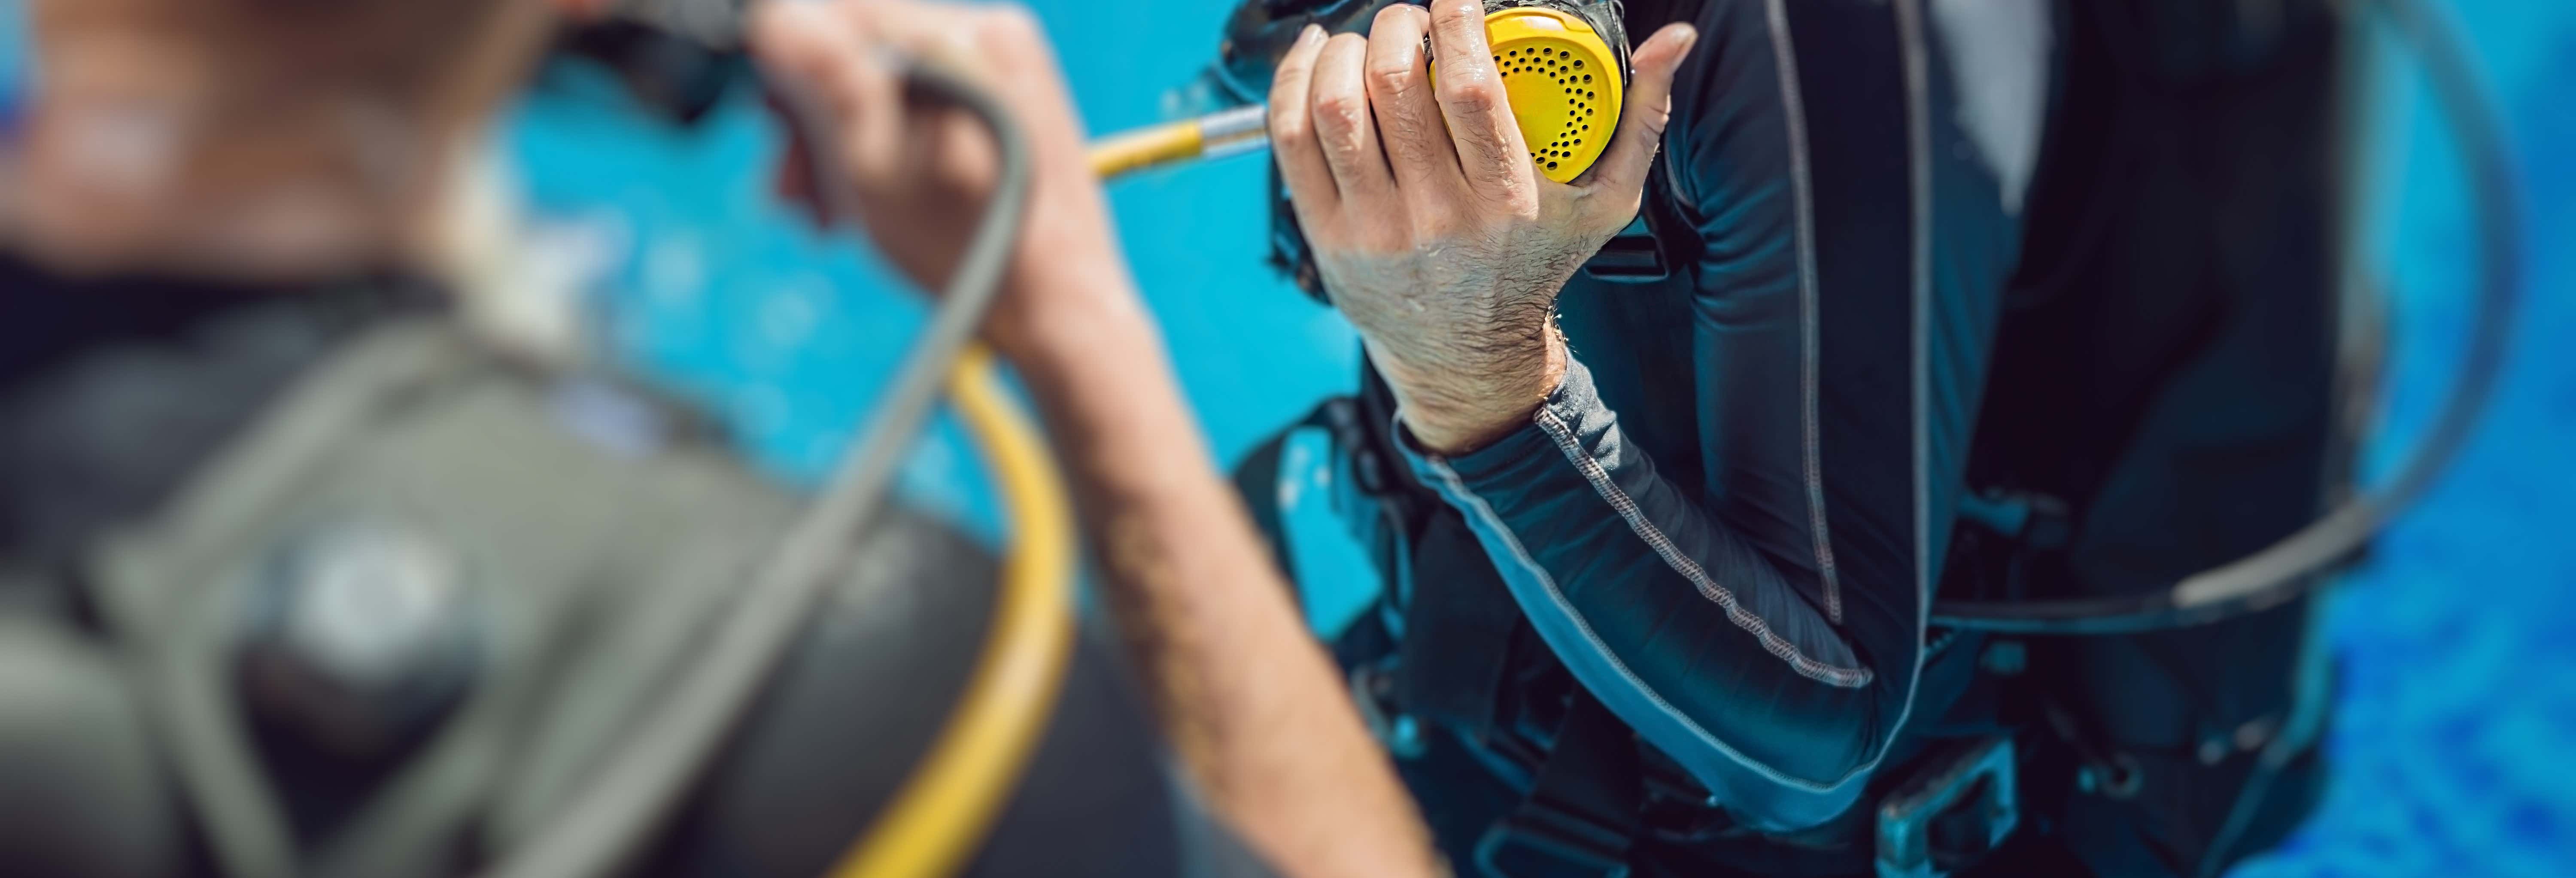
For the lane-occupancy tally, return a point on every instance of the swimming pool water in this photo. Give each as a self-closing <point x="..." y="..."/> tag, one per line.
<point x="2457" y="708"/>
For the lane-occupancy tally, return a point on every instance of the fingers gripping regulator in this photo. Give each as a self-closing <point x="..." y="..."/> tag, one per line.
<point x="1564" y="65"/>
<point x="1566" y="73"/>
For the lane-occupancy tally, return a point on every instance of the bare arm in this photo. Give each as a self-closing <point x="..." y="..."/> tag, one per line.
<point x="1246" y="696"/>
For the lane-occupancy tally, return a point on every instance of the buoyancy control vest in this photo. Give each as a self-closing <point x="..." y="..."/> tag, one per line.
<point x="323" y="584"/>
<point x="2174" y="386"/>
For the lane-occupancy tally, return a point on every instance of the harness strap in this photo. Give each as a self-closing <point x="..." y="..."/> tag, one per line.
<point x="1581" y="814"/>
<point x="1458" y="630"/>
<point x="1457" y="617"/>
<point x="1257" y="479"/>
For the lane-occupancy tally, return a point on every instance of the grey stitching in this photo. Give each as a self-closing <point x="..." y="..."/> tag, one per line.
<point x="1689" y="568"/>
<point x="1785" y="60"/>
<point x="1458" y="495"/>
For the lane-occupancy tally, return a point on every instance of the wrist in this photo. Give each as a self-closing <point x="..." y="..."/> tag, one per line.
<point x="1067" y="318"/>
<point x="1460" y="408"/>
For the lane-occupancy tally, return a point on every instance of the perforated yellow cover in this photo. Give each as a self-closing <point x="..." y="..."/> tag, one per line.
<point x="1564" y="85"/>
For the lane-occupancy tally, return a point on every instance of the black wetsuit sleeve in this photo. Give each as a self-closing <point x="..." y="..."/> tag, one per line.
<point x="1677" y="622"/>
<point x="1762" y="623"/>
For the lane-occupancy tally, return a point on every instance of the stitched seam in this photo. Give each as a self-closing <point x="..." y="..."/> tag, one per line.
<point x="1785" y="62"/>
<point x="1460" y="496"/>
<point x="1690" y="569"/>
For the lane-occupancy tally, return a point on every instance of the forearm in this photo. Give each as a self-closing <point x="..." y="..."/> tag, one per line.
<point x="1247" y="698"/>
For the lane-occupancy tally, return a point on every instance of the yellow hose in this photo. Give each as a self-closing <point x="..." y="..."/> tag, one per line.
<point x="1222" y="133"/>
<point x="1146" y="147"/>
<point x="934" y="823"/>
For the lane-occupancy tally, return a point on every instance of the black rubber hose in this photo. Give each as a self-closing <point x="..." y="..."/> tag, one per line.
<point x="635" y="792"/>
<point x="2294" y="566"/>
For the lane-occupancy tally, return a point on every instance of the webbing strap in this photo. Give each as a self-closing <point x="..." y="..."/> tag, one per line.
<point x="1457" y="630"/>
<point x="1457" y="619"/>
<point x="1257" y="480"/>
<point x="1581" y="814"/>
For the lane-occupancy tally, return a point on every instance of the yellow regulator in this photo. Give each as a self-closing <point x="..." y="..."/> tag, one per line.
<point x="1565" y="84"/>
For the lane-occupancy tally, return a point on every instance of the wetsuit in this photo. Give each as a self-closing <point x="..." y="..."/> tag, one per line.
<point x="116" y="396"/>
<point x="1890" y="301"/>
<point x="1728" y="520"/>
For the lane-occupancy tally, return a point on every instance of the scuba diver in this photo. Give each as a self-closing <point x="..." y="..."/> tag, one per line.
<point x="1720" y="501"/>
<point x="303" y="572"/>
<point x="1907" y="447"/>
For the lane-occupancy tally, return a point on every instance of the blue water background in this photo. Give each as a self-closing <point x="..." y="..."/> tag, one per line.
<point x="2457" y="693"/>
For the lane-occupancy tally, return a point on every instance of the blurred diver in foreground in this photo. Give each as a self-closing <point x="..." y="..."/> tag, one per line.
<point x="302" y="575"/>
<point x="1904" y="448"/>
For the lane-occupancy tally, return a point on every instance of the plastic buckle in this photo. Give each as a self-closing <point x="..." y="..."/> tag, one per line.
<point x="1543" y="842"/>
<point x="1373" y="691"/>
<point x="1959" y="808"/>
<point x="2038" y="521"/>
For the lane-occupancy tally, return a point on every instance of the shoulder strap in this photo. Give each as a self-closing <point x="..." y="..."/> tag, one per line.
<point x="1256" y="478"/>
<point x="1581" y="815"/>
<point x="168" y="590"/>
<point x="592" y="560"/>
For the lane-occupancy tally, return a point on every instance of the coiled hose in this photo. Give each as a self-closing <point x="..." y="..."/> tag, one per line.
<point x="2295" y="566"/>
<point x="945" y="806"/>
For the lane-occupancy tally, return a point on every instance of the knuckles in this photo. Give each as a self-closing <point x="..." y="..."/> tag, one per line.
<point x="1469" y="97"/>
<point x="841" y="86"/>
<point x="1425" y="230"/>
<point x="1394" y="79"/>
<point x="1290" y="127"/>
<point x="961" y="172"/>
<point x="1339" y="115"/>
<point x="1281" y="78"/>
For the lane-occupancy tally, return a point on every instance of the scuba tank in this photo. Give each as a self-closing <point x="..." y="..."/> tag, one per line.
<point x="403" y="620"/>
<point x="399" y="601"/>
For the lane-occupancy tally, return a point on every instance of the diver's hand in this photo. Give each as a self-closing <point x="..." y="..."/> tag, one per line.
<point x="1432" y="227"/>
<point x="917" y="173"/>
<point x="1249" y="701"/>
